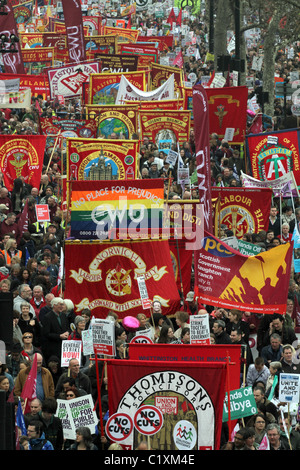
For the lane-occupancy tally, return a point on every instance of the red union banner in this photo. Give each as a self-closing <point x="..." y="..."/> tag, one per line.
<point x="273" y="155"/>
<point x="22" y="156"/>
<point x="13" y="62"/>
<point x="189" y="395"/>
<point x="229" y="279"/>
<point x="228" y="110"/>
<point x="201" y="128"/>
<point x="242" y="210"/>
<point x="74" y="30"/>
<point x="103" y="277"/>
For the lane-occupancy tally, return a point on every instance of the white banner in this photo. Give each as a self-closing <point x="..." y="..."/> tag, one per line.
<point x="16" y="99"/>
<point x="128" y="92"/>
<point x="279" y="186"/>
<point x="67" y="80"/>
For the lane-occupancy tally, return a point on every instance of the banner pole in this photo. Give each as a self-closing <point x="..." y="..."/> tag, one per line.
<point x="228" y="393"/>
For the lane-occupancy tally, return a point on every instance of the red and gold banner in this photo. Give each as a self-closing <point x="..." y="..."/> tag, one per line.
<point x="165" y="43"/>
<point x="38" y="84"/>
<point x="170" y="105"/>
<point x="114" y="119"/>
<point x="146" y="55"/>
<point x="104" y="87"/>
<point x="39" y="57"/>
<point x="22" y="156"/>
<point x="188" y="394"/>
<point x="93" y="23"/>
<point x="68" y="127"/>
<point x="97" y="159"/>
<point x="31" y="40"/>
<point x="228" y="110"/>
<point x="123" y="34"/>
<point x="242" y="210"/>
<point x="160" y="73"/>
<point x="13" y="61"/>
<point x="116" y="63"/>
<point x="165" y="125"/>
<point x="227" y="278"/>
<point x="274" y="154"/>
<point x="100" y="45"/>
<point x="103" y="277"/>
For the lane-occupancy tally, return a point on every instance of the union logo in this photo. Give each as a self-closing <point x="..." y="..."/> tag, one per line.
<point x="274" y="162"/>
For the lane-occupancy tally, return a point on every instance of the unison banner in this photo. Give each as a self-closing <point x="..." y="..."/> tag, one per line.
<point x="74" y="30"/>
<point x="229" y="279"/>
<point x="22" y="156"/>
<point x="242" y="210"/>
<point x="228" y="110"/>
<point x="108" y="210"/>
<point x="273" y="155"/>
<point x="103" y="277"/>
<point x="189" y="395"/>
<point x="201" y="130"/>
<point x="97" y="159"/>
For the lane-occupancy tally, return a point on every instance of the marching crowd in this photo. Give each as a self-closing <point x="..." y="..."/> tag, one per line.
<point x="43" y="317"/>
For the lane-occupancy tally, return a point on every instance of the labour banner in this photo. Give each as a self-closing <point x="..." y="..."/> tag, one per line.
<point x="228" y="110"/>
<point x="229" y="279"/>
<point x="201" y="130"/>
<point x="242" y="210"/>
<point x="22" y="156"/>
<point x="74" y="30"/>
<point x="273" y="155"/>
<point x="189" y="396"/>
<point x="108" y="210"/>
<point x="98" y="159"/>
<point x="103" y="277"/>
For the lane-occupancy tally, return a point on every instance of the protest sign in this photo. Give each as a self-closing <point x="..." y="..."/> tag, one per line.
<point x="289" y="388"/>
<point x="104" y="336"/>
<point x="71" y="349"/>
<point x="76" y="413"/>
<point x="242" y="404"/>
<point x="199" y="329"/>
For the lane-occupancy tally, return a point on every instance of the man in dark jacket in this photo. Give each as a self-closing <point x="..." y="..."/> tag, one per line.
<point x="55" y="329"/>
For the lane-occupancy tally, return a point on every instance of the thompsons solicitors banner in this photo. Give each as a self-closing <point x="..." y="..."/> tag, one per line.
<point x="103" y="276"/>
<point x="229" y="279"/>
<point x="189" y="397"/>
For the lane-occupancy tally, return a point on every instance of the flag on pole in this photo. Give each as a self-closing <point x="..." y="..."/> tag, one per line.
<point x="179" y="18"/>
<point x="61" y="267"/>
<point x="23" y="222"/>
<point x="20" y="421"/>
<point x="178" y="60"/>
<point x="29" y="390"/>
<point x="265" y="444"/>
<point x="172" y="17"/>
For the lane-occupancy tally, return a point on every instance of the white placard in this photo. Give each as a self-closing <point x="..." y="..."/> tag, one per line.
<point x="289" y="388"/>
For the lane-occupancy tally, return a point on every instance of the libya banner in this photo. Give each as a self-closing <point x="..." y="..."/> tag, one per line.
<point x="104" y="276"/>
<point x="228" y="279"/>
<point x="114" y="119"/>
<point x="67" y="80"/>
<point x="273" y="155"/>
<point x="108" y="210"/>
<point x="160" y="74"/>
<point x="98" y="159"/>
<point x="184" y="399"/>
<point x="228" y="112"/>
<point x="242" y="210"/>
<point x="168" y="126"/>
<point x="103" y="88"/>
<point x="22" y="156"/>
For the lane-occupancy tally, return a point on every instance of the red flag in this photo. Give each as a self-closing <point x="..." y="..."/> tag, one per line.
<point x="257" y="125"/>
<point x="129" y="23"/>
<point x="29" y="390"/>
<point x="201" y="128"/>
<point x="172" y="17"/>
<point x="74" y="30"/>
<point x="179" y="18"/>
<point x="178" y="60"/>
<point x="211" y="79"/>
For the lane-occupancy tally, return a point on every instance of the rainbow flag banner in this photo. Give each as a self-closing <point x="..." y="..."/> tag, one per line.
<point x="117" y="210"/>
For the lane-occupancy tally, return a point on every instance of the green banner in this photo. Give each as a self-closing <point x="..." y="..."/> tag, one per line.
<point x="242" y="404"/>
<point x="247" y="248"/>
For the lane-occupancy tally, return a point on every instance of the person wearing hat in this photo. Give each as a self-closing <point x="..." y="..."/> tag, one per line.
<point x="191" y="305"/>
<point x="3" y="210"/>
<point x="153" y="171"/>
